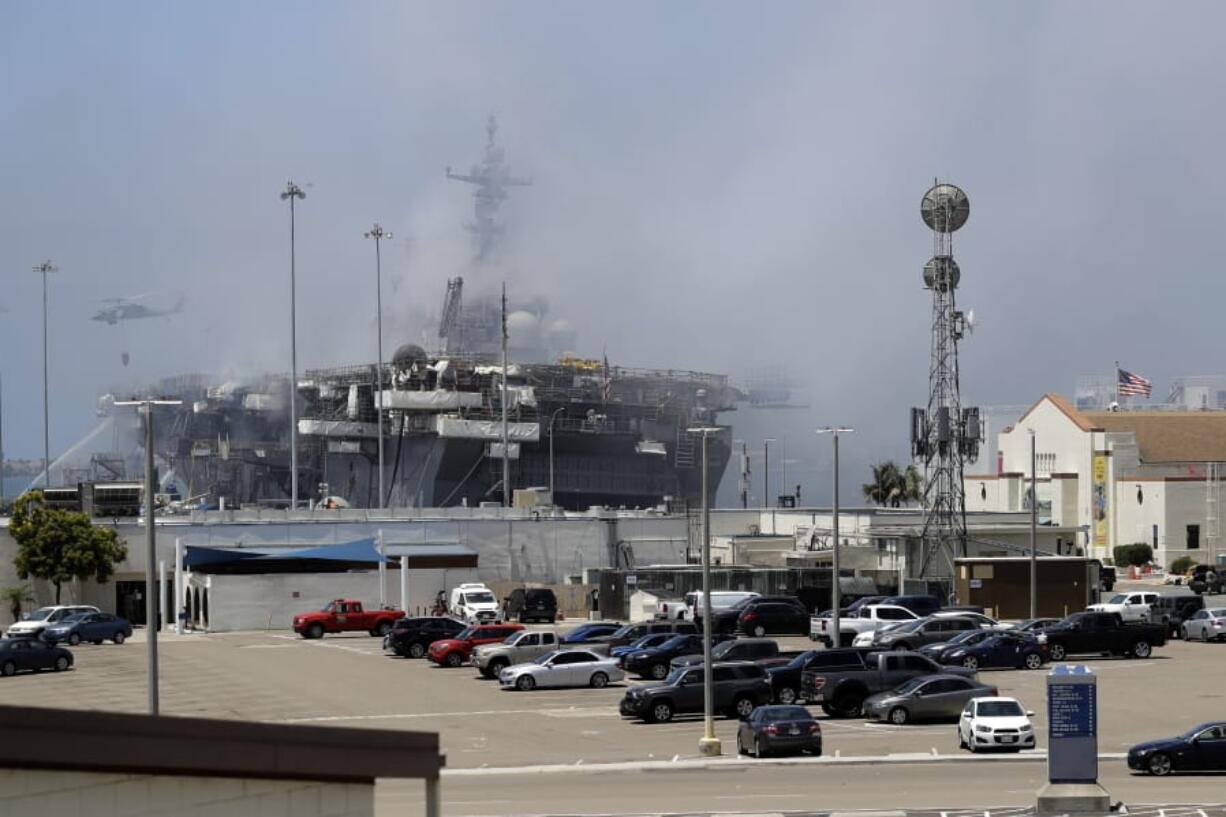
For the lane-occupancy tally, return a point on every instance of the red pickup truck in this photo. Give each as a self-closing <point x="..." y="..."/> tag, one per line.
<point x="454" y="652"/>
<point x="345" y="616"/>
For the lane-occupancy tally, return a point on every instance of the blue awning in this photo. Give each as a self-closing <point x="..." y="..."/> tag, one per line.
<point x="202" y="556"/>
<point x="362" y="550"/>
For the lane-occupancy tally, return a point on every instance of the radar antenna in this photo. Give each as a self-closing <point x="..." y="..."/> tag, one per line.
<point x="944" y="435"/>
<point x="492" y="177"/>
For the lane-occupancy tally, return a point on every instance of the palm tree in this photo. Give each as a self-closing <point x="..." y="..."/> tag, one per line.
<point x="913" y="485"/>
<point x="887" y="487"/>
<point x="16" y="596"/>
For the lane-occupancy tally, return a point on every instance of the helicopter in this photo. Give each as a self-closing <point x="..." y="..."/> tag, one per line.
<point x="126" y="309"/>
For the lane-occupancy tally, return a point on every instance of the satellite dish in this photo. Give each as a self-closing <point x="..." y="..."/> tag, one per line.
<point x="942" y="273"/>
<point x="945" y="208"/>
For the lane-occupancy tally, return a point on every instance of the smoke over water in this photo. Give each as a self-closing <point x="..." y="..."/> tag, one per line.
<point x="715" y="187"/>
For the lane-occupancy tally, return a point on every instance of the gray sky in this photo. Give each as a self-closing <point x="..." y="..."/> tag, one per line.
<point x="718" y="186"/>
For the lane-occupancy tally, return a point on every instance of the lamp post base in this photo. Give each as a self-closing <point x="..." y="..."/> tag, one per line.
<point x="1073" y="799"/>
<point x="709" y="747"/>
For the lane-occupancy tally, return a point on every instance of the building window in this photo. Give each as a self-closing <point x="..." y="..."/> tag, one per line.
<point x="1193" y="537"/>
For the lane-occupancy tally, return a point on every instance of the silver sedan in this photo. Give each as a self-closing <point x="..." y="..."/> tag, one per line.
<point x="927" y="698"/>
<point x="563" y="668"/>
<point x="1205" y="625"/>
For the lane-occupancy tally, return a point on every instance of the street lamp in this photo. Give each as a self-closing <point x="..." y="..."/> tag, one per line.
<point x="836" y="600"/>
<point x="1034" y="522"/>
<point x="151" y="591"/>
<point x="708" y="744"/>
<point x="44" y="268"/>
<point x="293" y="192"/>
<point x="378" y="234"/>
<point x="766" y="472"/>
<point x="556" y="412"/>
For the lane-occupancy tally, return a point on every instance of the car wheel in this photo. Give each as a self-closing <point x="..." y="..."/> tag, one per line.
<point x="1033" y="660"/>
<point x="454" y="659"/>
<point x="525" y="683"/>
<point x="971" y="663"/>
<point x="8" y="669"/>
<point x="1057" y="652"/>
<point x="787" y="695"/>
<point x="1159" y="764"/>
<point x="118" y="639"/>
<point x="1141" y="649"/>
<point x="759" y="631"/>
<point x="743" y="707"/>
<point x="901" y="646"/>
<point x="384" y="628"/>
<point x="417" y="650"/>
<point x="61" y="663"/>
<point x="961" y="742"/>
<point x="899" y="716"/>
<point x="661" y="712"/>
<point x="847" y="706"/>
<point x="497" y="665"/>
<point x="599" y="680"/>
<point x="1204" y="635"/>
<point x="315" y="631"/>
<point x="659" y="671"/>
<point x="74" y="640"/>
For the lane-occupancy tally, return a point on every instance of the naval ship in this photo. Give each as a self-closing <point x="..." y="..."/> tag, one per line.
<point x="579" y="432"/>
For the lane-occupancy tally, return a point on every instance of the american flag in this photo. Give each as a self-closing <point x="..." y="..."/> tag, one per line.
<point x="606" y="379"/>
<point x="1133" y="385"/>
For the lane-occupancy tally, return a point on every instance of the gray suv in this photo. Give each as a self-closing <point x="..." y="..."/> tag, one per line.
<point x="737" y="687"/>
<point x="915" y="634"/>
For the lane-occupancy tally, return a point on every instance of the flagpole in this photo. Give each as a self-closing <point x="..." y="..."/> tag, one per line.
<point x="1117" y="383"/>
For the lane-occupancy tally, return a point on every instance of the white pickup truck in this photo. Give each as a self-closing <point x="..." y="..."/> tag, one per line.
<point x="1129" y="606"/>
<point x="868" y="619"/>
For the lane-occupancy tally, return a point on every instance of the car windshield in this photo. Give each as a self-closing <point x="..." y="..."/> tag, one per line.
<point x="1000" y="709"/>
<point x="970" y="636"/>
<point x="40" y="614"/>
<point x="786" y="713"/>
<point x="73" y="618"/>
<point x="544" y="659"/>
<point x="463" y="634"/>
<point x="511" y="638"/>
<point x="677" y="674"/>
<point x="675" y="641"/>
<point x="801" y="660"/>
<point x="646" y="641"/>
<point x="1196" y="730"/>
<point x="908" y="626"/>
<point x="622" y="632"/>
<point x="1118" y="598"/>
<point x="479" y="598"/>
<point x="1218" y="613"/>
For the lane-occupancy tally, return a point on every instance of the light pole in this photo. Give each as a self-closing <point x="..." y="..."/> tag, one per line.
<point x="378" y="234"/>
<point x="1034" y="524"/>
<point x="766" y="472"/>
<point x="552" y="417"/>
<point x="708" y="744"/>
<point x="151" y="592"/>
<point x="744" y="484"/>
<point x="836" y="600"/>
<point x="44" y="268"/>
<point x="293" y="192"/>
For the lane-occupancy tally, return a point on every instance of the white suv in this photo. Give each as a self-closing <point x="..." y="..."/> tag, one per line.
<point x="33" y="624"/>
<point x="475" y="603"/>
<point x="1129" y="606"/>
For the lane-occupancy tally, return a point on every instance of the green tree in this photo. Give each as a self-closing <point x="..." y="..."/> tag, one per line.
<point x="59" y="546"/>
<point x="892" y="487"/>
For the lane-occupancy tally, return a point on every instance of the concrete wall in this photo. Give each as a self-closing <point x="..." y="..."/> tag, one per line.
<point x="72" y="794"/>
<point x="269" y="601"/>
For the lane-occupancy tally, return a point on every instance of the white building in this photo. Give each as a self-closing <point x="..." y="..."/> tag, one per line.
<point x="1121" y="477"/>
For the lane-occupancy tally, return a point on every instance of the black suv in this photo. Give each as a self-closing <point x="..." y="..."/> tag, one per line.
<point x="760" y="615"/>
<point x="532" y="604"/>
<point x="737" y="688"/>
<point x="412" y="637"/>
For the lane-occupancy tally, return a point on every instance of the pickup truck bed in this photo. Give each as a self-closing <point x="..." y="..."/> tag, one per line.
<point x="1092" y="633"/>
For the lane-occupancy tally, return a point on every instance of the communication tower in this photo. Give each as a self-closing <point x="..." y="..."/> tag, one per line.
<point x="492" y="178"/>
<point x="944" y="435"/>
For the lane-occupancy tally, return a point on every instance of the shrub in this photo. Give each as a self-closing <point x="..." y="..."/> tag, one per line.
<point x="1183" y="564"/>
<point x="1136" y="555"/>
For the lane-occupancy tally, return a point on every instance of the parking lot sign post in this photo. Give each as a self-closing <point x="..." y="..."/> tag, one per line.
<point x="1072" y="752"/>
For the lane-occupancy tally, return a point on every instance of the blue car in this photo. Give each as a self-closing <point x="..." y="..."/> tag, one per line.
<point x="92" y="627"/>
<point x="586" y="632"/>
<point x="1003" y="649"/>
<point x="647" y="641"/>
<point x="1200" y="749"/>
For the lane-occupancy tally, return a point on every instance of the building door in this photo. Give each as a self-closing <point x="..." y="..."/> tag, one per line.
<point x="130" y="601"/>
<point x="1193" y="537"/>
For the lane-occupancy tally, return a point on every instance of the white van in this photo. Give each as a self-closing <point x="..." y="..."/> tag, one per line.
<point x="720" y="600"/>
<point x="475" y="603"/>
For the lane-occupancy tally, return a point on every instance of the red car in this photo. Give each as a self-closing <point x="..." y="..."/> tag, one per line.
<point x="454" y="652"/>
<point x="345" y="616"/>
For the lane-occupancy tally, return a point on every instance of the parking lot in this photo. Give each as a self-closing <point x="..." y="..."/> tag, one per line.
<point x="350" y="681"/>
